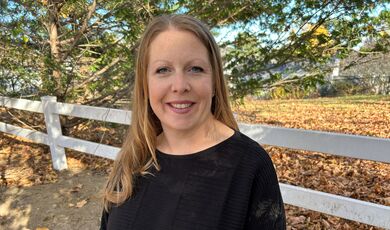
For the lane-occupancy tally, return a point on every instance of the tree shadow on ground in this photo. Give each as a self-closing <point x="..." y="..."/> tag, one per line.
<point x="73" y="202"/>
<point x="33" y="194"/>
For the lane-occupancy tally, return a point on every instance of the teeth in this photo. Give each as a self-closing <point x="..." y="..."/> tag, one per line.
<point x="181" y="106"/>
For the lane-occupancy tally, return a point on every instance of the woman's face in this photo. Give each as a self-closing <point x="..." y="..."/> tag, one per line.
<point x="180" y="81"/>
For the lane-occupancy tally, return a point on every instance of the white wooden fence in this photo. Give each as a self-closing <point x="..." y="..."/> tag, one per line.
<point x="362" y="147"/>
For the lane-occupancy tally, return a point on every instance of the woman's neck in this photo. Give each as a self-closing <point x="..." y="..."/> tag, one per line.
<point x="185" y="142"/>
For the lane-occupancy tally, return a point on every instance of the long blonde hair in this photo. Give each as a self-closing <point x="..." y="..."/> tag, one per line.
<point x="138" y="151"/>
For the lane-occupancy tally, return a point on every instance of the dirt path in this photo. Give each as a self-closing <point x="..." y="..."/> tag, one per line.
<point x="73" y="202"/>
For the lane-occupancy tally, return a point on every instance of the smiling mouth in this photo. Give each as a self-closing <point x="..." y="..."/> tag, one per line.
<point x="181" y="106"/>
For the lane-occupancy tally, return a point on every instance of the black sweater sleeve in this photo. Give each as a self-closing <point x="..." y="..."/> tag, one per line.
<point x="266" y="209"/>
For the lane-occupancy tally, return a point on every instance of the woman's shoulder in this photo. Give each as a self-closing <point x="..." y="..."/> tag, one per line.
<point x="250" y="151"/>
<point x="246" y="145"/>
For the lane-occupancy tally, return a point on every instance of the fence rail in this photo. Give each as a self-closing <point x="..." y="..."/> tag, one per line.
<point x="361" y="147"/>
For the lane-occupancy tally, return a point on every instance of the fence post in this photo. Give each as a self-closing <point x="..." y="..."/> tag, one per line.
<point x="53" y="127"/>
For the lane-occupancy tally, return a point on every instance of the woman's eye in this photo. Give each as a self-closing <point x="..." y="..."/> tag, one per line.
<point x="162" y="70"/>
<point x="196" y="69"/>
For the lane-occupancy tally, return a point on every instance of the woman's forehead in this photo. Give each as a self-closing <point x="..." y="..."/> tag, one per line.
<point x="174" y="44"/>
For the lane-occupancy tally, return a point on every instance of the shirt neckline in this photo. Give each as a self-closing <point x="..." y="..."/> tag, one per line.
<point x="195" y="154"/>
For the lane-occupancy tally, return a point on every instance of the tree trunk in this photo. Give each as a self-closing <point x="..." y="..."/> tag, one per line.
<point x="53" y="11"/>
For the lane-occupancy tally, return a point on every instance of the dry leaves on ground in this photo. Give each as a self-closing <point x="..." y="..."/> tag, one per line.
<point x="23" y="163"/>
<point x="359" y="179"/>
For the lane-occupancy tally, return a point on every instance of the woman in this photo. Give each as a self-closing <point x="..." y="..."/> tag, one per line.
<point x="184" y="164"/>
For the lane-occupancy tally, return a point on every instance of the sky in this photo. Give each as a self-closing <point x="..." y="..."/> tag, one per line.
<point x="228" y="33"/>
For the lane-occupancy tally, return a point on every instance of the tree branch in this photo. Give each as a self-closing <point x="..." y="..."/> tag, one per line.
<point x="98" y="73"/>
<point x="91" y="10"/>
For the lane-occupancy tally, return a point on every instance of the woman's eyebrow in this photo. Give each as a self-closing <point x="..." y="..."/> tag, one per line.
<point x="199" y="61"/>
<point x="159" y="61"/>
<point x="190" y="61"/>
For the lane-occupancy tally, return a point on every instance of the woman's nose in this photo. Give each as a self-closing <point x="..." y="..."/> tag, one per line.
<point x="180" y="83"/>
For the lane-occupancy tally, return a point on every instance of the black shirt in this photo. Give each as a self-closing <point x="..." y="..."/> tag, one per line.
<point x="232" y="185"/>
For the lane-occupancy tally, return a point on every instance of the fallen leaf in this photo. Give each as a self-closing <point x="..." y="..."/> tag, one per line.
<point x="80" y="204"/>
<point x="346" y="226"/>
<point x="76" y="188"/>
<point x="387" y="201"/>
<point x="325" y="223"/>
<point x="297" y="220"/>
